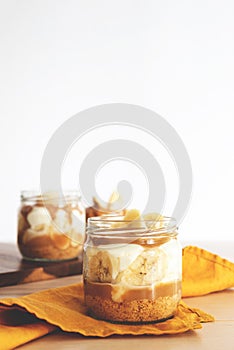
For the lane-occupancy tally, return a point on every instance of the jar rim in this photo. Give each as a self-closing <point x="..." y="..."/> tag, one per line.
<point x="35" y="195"/>
<point x="104" y="226"/>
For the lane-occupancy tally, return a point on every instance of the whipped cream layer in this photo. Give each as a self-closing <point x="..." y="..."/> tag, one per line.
<point x="132" y="264"/>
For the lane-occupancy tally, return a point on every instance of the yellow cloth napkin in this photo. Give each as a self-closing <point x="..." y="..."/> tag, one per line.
<point x="64" y="307"/>
<point x="205" y="272"/>
<point x="29" y="317"/>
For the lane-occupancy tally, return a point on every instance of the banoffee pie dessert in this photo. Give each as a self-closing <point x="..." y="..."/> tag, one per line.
<point x="51" y="227"/>
<point x="132" y="268"/>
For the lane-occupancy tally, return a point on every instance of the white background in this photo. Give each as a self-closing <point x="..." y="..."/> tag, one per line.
<point x="174" y="57"/>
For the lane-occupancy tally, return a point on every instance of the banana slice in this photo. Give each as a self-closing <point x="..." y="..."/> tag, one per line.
<point x="102" y="267"/>
<point x="149" y="267"/>
<point x="61" y="221"/>
<point x="115" y="203"/>
<point x="39" y="216"/>
<point x="132" y="214"/>
<point x="153" y="220"/>
<point x="112" y="258"/>
<point x="132" y="219"/>
<point x="114" y="197"/>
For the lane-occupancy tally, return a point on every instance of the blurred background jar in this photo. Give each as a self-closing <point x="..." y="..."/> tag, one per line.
<point x="132" y="269"/>
<point x="51" y="227"/>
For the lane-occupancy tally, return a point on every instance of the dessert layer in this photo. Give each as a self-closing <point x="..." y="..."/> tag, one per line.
<point x="51" y="232"/>
<point x="129" y="263"/>
<point x="135" y="311"/>
<point x="43" y="247"/>
<point x="122" y="293"/>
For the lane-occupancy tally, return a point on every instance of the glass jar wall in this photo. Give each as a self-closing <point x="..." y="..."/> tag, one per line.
<point x="132" y="270"/>
<point x="51" y="227"/>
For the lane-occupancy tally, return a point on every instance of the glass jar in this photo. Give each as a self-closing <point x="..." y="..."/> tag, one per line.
<point x="132" y="270"/>
<point x="51" y="227"/>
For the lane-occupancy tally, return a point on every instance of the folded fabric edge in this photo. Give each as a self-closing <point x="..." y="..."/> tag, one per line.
<point x="203" y="316"/>
<point x="204" y="255"/>
<point x="50" y="327"/>
<point x="207" y="255"/>
<point x="187" y="324"/>
<point x="13" y="337"/>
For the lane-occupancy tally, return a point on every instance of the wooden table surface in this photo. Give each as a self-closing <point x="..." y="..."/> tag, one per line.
<point x="213" y="336"/>
<point x="15" y="270"/>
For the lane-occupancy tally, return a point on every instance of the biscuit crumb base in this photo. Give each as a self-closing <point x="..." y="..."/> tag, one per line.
<point x="135" y="311"/>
